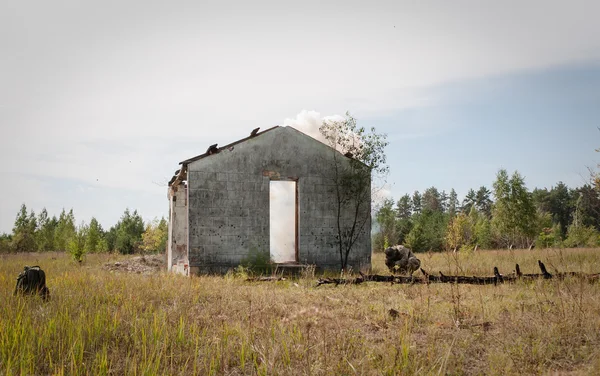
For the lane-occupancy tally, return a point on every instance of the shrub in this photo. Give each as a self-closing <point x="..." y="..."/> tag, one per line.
<point x="582" y="236"/>
<point x="258" y="262"/>
<point x="76" y="245"/>
<point x="5" y="243"/>
<point x="549" y="237"/>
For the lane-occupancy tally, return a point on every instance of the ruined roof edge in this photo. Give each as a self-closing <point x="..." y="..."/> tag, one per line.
<point x="329" y="146"/>
<point x="193" y="159"/>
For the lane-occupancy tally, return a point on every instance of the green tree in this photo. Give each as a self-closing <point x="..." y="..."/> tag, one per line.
<point x="558" y="203"/>
<point x="404" y="207"/>
<point x="403" y="228"/>
<point x="5" y="243"/>
<point x="77" y="242"/>
<point x="94" y="241"/>
<point x="23" y="236"/>
<point x="65" y="230"/>
<point x="460" y="232"/>
<point x="469" y="201"/>
<point x="444" y="201"/>
<point x="163" y="231"/>
<point x="416" y="202"/>
<point x="582" y="236"/>
<point x="541" y="199"/>
<point x="579" y="233"/>
<point x="483" y="201"/>
<point x="586" y="202"/>
<point x="110" y="238"/>
<point x="428" y="231"/>
<point x="514" y="214"/>
<point x="483" y="233"/>
<point x="364" y="156"/>
<point x="45" y="232"/>
<point x="595" y="176"/>
<point x="416" y="238"/>
<point x="404" y="221"/>
<point x="550" y="235"/>
<point x="386" y="219"/>
<point x="452" y="203"/>
<point x="561" y="206"/>
<point x="431" y="200"/>
<point x="154" y="238"/>
<point x="129" y="232"/>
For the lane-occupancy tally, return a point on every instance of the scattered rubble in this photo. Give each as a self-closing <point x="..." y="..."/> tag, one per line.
<point x="141" y="265"/>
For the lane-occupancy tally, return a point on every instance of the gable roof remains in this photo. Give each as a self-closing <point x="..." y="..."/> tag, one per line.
<point x="181" y="174"/>
<point x="213" y="149"/>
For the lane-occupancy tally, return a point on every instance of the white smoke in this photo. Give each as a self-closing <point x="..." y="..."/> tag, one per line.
<point x="309" y="122"/>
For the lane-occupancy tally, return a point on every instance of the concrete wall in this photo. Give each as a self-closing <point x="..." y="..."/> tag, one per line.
<point x="177" y="250"/>
<point x="229" y="202"/>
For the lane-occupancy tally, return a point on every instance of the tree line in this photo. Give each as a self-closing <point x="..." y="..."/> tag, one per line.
<point x="43" y="233"/>
<point x="507" y="216"/>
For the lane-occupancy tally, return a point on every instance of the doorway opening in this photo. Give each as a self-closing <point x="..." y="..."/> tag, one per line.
<point x="283" y="221"/>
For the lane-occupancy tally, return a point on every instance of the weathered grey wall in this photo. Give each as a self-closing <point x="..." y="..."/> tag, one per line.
<point x="229" y="202"/>
<point x="177" y="251"/>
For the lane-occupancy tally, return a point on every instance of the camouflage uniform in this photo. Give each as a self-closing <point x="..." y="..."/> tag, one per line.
<point x="401" y="259"/>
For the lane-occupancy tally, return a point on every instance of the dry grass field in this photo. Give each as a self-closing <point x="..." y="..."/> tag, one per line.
<point x="100" y="322"/>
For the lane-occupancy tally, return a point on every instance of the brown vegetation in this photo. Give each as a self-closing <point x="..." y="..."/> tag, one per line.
<point x="99" y="322"/>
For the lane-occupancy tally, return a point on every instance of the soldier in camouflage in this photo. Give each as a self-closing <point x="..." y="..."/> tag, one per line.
<point x="401" y="259"/>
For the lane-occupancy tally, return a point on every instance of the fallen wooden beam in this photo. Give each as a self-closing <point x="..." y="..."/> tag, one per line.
<point x="459" y="279"/>
<point x="265" y="279"/>
<point x="340" y="281"/>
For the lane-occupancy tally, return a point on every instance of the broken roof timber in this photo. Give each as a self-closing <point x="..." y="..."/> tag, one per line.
<point x="215" y="150"/>
<point x="178" y="178"/>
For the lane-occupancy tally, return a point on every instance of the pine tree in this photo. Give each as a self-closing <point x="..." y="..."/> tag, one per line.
<point x="452" y="203"/>
<point x="469" y="201"/>
<point x="416" y="202"/>
<point x="428" y="231"/>
<point x="45" y="232"/>
<point x="431" y="200"/>
<point x="444" y="202"/>
<point x="65" y="230"/>
<point x="514" y="214"/>
<point x="404" y="207"/>
<point x="129" y="232"/>
<point x="483" y="201"/>
<point x="23" y="236"/>
<point x="95" y="234"/>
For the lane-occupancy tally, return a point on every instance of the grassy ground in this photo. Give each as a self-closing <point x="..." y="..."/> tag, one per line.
<point x="99" y="322"/>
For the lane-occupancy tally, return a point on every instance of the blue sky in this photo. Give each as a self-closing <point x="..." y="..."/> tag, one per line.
<point x="100" y="101"/>
<point x="543" y="123"/>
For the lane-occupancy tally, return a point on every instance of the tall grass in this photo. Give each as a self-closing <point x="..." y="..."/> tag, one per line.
<point x="99" y="322"/>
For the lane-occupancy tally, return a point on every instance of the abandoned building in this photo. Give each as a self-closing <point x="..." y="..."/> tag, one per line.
<point x="220" y="204"/>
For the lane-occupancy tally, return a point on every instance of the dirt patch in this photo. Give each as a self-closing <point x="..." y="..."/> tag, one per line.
<point x="140" y="265"/>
